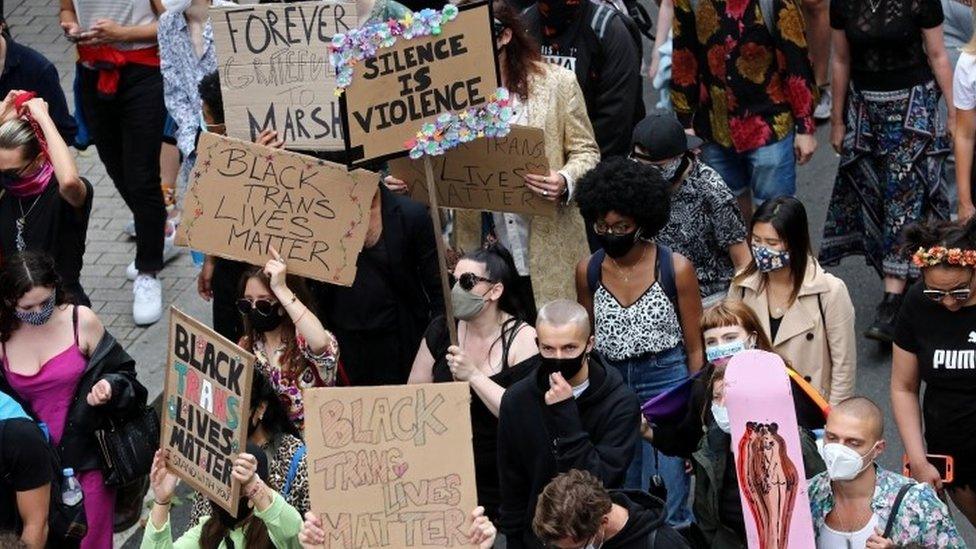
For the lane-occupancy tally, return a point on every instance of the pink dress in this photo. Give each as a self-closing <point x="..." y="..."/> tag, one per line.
<point x="50" y="392"/>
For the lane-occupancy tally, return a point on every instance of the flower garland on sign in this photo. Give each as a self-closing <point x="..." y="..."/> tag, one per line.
<point x="937" y="255"/>
<point x="449" y="129"/>
<point x="350" y="48"/>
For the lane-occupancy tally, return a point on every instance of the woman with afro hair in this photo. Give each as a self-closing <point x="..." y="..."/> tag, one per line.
<point x="644" y="302"/>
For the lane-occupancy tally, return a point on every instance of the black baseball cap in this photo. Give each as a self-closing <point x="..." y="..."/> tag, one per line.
<point x="661" y="136"/>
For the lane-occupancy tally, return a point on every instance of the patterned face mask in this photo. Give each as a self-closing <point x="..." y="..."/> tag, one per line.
<point x="768" y="259"/>
<point x="669" y="169"/>
<point x="37" y="318"/>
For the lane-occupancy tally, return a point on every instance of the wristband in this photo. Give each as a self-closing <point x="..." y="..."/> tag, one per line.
<point x="163" y="503"/>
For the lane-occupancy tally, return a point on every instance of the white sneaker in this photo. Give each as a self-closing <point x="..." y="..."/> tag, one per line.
<point x="822" y="112"/>
<point x="147" y="300"/>
<point x="130" y="229"/>
<point x="170" y="252"/>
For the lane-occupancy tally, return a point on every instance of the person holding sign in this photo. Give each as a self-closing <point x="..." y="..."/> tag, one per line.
<point x="63" y="366"/>
<point x="44" y="202"/>
<point x="263" y="518"/>
<point x="270" y="429"/>
<point x="481" y="533"/>
<point x="292" y="347"/>
<point x="548" y="97"/>
<point x="497" y="349"/>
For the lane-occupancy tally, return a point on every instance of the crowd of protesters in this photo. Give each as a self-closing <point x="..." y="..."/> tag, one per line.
<point x="676" y="243"/>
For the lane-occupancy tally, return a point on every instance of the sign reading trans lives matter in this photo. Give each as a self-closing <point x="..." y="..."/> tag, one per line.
<point x="393" y="94"/>
<point x="275" y="71"/>
<point x="391" y="466"/>
<point x="245" y="199"/>
<point x="206" y="403"/>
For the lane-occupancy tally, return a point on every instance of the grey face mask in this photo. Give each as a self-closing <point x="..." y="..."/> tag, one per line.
<point x="465" y="304"/>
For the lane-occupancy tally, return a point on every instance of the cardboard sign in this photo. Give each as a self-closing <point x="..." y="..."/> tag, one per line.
<point x="485" y="174"/>
<point x="244" y="198"/>
<point x="206" y="400"/>
<point x="391" y="466"/>
<point x="275" y="71"/>
<point x="768" y="456"/>
<point x="393" y="94"/>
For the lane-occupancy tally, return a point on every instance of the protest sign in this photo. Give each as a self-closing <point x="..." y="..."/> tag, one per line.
<point x="207" y="398"/>
<point x="275" y="71"/>
<point x="244" y="199"/>
<point x="394" y="93"/>
<point x="485" y="174"/>
<point x="391" y="466"/>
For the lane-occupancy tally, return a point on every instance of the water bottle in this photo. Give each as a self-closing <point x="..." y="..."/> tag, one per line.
<point x="70" y="490"/>
<point x="198" y="258"/>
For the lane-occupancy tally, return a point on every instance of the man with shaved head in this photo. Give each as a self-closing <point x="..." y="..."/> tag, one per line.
<point x="571" y="413"/>
<point x="853" y="501"/>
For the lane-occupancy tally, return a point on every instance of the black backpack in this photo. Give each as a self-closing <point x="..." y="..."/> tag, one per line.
<point x="67" y="524"/>
<point x="664" y="267"/>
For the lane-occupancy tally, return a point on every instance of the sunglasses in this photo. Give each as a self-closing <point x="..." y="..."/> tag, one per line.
<point x="264" y="307"/>
<point x="960" y="294"/>
<point x="634" y="155"/>
<point x="16" y="173"/>
<point x="468" y="281"/>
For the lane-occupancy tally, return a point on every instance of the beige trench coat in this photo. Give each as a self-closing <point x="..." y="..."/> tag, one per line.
<point x="817" y="331"/>
<point x="556" y="244"/>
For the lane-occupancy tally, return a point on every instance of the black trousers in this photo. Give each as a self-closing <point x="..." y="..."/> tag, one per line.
<point x="128" y="133"/>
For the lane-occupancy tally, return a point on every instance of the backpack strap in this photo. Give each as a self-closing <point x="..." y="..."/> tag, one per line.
<point x="665" y="273"/>
<point x="296" y="460"/>
<point x="593" y="270"/>
<point x="74" y="322"/>
<point x="895" y="506"/>
<point x="601" y="18"/>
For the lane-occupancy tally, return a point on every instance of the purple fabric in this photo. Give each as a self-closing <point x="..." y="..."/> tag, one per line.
<point x="671" y="405"/>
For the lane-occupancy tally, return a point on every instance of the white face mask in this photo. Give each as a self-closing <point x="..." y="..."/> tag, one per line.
<point x="844" y="463"/>
<point x="721" y="415"/>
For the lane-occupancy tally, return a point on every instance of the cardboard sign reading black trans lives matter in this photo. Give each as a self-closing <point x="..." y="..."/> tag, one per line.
<point x="393" y="94"/>
<point x="391" y="466"/>
<point x="206" y="405"/>
<point x="275" y="71"/>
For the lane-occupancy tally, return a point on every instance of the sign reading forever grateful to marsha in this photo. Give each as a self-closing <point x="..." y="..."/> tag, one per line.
<point x="394" y="93"/>
<point x="207" y="400"/>
<point x="244" y="199"/>
<point x="275" y="71"/>
<point x="391" y="466"/>
<point x="485" y="174"/>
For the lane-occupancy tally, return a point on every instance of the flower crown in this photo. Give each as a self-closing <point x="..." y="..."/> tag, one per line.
<point x="937" y="255"/>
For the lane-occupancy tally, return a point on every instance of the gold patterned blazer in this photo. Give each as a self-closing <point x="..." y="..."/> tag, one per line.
<point x="556" y="244"/>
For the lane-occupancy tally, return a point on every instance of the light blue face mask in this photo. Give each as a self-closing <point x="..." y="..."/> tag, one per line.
<point x="719" y="354"/>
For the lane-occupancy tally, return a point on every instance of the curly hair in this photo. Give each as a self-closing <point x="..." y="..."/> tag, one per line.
<point x="209" y="89"/>
<point x="629" y="188"/>
<point x="571" y="506"/>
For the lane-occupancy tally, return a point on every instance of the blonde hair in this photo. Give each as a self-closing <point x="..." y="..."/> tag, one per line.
<point x="18" y="133"/>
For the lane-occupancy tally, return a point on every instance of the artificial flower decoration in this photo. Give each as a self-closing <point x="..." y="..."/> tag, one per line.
<point x="449" y="130"/>
<point x="937" y="255"/>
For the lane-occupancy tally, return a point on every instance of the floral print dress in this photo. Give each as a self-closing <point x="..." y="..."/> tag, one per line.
<point x="317" y="371"/>
<point x="922" y="518"/>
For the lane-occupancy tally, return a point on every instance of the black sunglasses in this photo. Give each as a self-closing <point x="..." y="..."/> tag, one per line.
<point x="468" y="281"/>
<point x="16" y="173"/>
<point x="264" y="307"/>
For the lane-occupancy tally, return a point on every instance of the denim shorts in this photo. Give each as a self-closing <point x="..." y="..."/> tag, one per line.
<point x="650" y="374"/>
<point x="769" y="171"/>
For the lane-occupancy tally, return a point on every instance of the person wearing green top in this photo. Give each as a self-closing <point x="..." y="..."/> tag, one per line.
<point x="264" y="518"/>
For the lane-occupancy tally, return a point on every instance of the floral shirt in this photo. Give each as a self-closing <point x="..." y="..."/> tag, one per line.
<point x="319" y="371"/>
<point x="922" y="517"/>
<point x="705" y="222"/>
<point x="749" y="87"/>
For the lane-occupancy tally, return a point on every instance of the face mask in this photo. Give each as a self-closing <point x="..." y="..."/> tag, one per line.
<point x="227" y="521"/>
<point x="673" y="169"/>
<point x="617" y="245"/>
<point x="844" y="463"/>
<point x="37" y="318"/>
<point x="770" y="260"/>
<point x="265" y="323"/>
<point x="465" y="304"/>
<point x="568" y="367"/>
<point x="31" y="185"/>
<point x="721" y="415"/>
<point x="719" y="355"/>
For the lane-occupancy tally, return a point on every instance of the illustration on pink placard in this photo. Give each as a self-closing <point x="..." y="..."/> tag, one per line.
<point x="768" y="456"/>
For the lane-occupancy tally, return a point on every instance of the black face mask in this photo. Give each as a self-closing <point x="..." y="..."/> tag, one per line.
<point x="227" y="521"/>
<point x="568" y="367"/>
<point x="617" y="245"/>
<point x="265" y="323"/>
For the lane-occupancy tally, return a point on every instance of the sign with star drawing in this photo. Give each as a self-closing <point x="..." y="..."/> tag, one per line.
<point x="244" y="199"/>
<point x="206" y="405"/>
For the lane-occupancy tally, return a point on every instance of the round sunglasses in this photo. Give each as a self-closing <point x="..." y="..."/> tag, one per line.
<point x="264" y="307"/>
<point x="468" y="281"/>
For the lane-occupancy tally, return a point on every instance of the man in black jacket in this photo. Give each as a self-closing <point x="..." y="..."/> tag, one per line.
<point x="575" y="510"/>
<point x="592" y="38"/>
<point x="571" y="413"/>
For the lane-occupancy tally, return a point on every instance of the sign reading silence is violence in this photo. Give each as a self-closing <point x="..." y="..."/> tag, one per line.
<point x="391" y="466"/>
<point x="205" y="408"/>
<point x="423" y="83"/>
<point x="275" y="71"/>
<point x="245" y="199"/>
